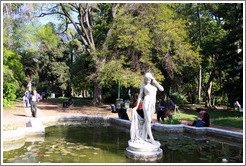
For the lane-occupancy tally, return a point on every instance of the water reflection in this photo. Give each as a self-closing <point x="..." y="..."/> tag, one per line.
<point x="107" y="145"/>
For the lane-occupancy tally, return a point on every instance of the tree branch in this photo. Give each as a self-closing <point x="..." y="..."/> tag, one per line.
<point x="74" y="24"/>
<point x="74" y="5"/>
<point x="44" y="14"/>
<point x="81" y="15"/>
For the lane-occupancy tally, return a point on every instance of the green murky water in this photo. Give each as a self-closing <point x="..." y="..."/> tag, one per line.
<point x="64" y="144"/>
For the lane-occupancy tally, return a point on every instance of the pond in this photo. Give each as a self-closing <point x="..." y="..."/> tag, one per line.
<point x="107" y="144"/>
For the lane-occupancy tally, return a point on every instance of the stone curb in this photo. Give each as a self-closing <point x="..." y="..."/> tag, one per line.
<point x="36" y="127"/>
<point x="13" y="135"/>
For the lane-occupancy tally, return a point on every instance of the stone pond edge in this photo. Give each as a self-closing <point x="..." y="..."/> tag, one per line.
<point x="36" y="127"/>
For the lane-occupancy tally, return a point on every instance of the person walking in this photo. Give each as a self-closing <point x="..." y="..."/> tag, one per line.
<point x="34" y="100"/>
<point x="27" y="97"/>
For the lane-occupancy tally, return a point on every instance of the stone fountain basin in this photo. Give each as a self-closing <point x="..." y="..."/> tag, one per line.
<point x="35" y="129"/>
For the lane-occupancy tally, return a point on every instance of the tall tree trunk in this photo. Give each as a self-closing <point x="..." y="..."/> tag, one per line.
<point x="213" y="104"/>
<point x="71" y="65"/>
<point x="208" y="94"/>
<point x="97" y="95"/>
<point x="199" y="85"/>
<point x="85" y="93"/>
<point x="29" y="84"/>
<point x="209" y="89"/>
<point x="200" y="42"/>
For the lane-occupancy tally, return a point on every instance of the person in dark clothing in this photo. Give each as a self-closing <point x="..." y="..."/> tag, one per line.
<point x="122" y="112"/>
<point x="67" y="103"/>
<point x="204" y="121"/>
<point x="171" y="107"/>
<point x="161" y="110"/>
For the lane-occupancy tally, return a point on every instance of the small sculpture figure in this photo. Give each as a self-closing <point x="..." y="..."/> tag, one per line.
<point x="141" y="127"/>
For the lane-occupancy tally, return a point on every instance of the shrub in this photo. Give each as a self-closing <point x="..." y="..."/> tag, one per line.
<point x="179" y="99"/>
<point x="9" y="90"/>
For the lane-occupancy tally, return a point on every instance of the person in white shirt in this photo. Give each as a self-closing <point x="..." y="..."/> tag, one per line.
<point x="34" y="99"/>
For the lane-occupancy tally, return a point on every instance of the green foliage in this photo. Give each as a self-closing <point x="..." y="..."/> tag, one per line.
<point x="113" y="71"/>
<point x="103" y="21"/>
<point x="154" y="34"/>
<point x="179" y="99"/>
<point x="169" y="40"/>
<point x="46" y="36"/>
<point x="81" y="70"/>
<point x="12" y="75"/>
<point x="29" y="64"/>
<point x="146" y="38"/>
<point x="7" y="103"/>
<point x="216" y="31"/>
<point x="12" y="62"/>
<point x="9" y="93"/>
<point x="18" y="31"/>
<point x="53" y="61"/>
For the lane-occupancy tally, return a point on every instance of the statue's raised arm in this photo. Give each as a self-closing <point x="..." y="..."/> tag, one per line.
<point x="160" y="87"/>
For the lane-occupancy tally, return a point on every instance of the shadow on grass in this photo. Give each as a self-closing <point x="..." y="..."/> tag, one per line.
<point x="235" y="122"/>
<point x="217" y="117"/>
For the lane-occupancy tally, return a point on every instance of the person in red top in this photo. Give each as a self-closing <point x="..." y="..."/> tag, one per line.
<point x="204" y="121"/>
<point x="140" y="107"/>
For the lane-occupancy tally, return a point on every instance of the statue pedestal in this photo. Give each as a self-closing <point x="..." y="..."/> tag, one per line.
<point x="144" y="151"/>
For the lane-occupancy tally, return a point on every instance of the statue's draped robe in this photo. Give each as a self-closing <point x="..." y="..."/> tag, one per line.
<point x="138" y="127"/>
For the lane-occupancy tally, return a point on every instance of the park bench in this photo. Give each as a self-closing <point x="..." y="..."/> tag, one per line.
<point x="122" y="112"/>
<point x="68" y="102"/>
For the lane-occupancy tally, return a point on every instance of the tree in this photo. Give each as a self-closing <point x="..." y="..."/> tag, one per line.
<point x="84" y="25"/>
<point x="18" y="38"/>
<point x="217" y="32"/>
<point x="231" y="60"/>
<point x="52" y="60"/>
<point x="13" y="74"/>
<point x="148" y="38"/>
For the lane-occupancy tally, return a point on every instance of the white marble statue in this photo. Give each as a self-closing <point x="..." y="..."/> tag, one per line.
<point x="141" y="128"/>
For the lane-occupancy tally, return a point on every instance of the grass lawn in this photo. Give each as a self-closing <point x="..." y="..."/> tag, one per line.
<point x="217" y="117"/>
<point x="76" y="101"/>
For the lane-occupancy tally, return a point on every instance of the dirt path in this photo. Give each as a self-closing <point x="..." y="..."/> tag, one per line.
<point x="20" y="115"/>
